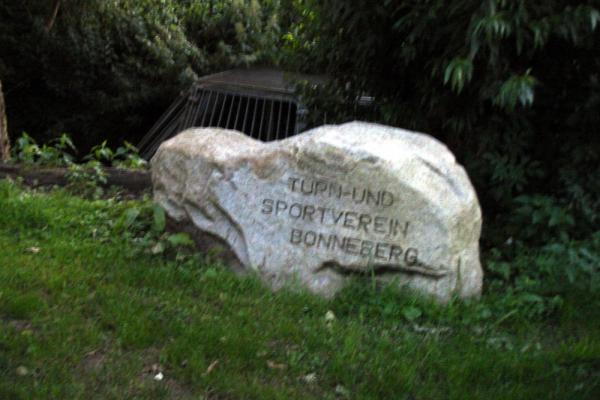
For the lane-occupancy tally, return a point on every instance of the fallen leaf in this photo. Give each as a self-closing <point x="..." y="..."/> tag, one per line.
<point x="212" y="366"/>
<point x="310" y="378"/>
<point x="20" y="325"/>
<point x="274" y="365"/>
<point x="329" y="316"/>
<point x="342" y="391"/>
<point x="155" y="368"/>
<point x="33" y="250"/>
<point x="91" y="353"/>
<point x="158" y="248"/>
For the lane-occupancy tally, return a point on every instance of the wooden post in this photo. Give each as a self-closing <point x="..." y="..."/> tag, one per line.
<point x="4" y="142"/>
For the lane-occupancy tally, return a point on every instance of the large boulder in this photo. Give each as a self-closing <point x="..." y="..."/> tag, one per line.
<point x="326" y="205"/>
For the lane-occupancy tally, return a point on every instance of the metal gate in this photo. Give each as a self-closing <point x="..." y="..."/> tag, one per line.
<point x="258" y="102"/>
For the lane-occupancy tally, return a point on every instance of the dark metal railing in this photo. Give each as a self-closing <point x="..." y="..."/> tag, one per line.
<point x="264" y="117"/>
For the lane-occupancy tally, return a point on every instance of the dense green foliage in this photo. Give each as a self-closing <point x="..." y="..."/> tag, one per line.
<point x="511" y="86"/>
<point x="106" y="69"/>
<point x="96" y="300"/>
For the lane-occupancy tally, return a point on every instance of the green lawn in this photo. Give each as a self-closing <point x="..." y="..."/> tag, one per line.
<point x="86" y="313"/>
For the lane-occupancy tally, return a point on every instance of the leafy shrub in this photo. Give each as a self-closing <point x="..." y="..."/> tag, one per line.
<point x="87" y="180"/>
<point x="57" y="153"/>
<point x="60" y="153"/>
<point x="107" y="69"/>
<point x="126" y="156"/>
<point x="536" y="279"/>
<point x="510" y="86"/>
<point x="144" y="226"/>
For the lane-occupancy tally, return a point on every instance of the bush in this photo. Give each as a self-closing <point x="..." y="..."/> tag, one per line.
<point x="537" y="279"/>
<point x="512" y="87"/>
<point x="57" y="153"/>
<point x="108" y="69"/>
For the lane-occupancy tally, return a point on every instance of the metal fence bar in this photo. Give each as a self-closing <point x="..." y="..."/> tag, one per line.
<point x="212" y="114"/>
<point x="260" y="134"/>
<point x="169" y="131"/>
<point x="225" y="95"/>
<point x="289" y="115"/>
<point x="210" y="96"/>
<point x="230" y="112"/>
<point x="189" y="107"/>
<point x="296" y="125"/>
<point x="165" y="134"/>
<point x="193" y="108"/>
<point x="277" y="132"/>
<point x="246" y="116"/>
<point x="270" y="121"/>
<point x="156" y="127"/>
<point x="199" y="108"/>
<point x="254" y="116"/>
<point x="186" y="105"/>
<point x="237" y="115"/>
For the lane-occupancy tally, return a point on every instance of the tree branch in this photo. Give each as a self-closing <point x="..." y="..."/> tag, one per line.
<point x="52" y="18"/>
<point x="4" y="142"/>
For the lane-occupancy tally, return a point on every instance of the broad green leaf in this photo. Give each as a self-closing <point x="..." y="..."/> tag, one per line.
<point x="411" y="313"/>
<point x="458" y="73"/>
<point x="159" y="218"/>
<point x="158" y="248"/>
<point x="129" y="217"/>
<point x="180" y="239"/>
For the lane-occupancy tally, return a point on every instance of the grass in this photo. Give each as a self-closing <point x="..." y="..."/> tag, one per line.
<point x="86" y="313"/>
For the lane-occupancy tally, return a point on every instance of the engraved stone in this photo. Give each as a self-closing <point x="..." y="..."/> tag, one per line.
<point x="323" y="206"/>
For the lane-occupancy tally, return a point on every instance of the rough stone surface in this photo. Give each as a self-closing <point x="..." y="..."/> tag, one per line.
<point x="331" y="203"/>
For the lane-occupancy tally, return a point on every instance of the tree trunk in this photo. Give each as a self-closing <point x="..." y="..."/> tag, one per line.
<point x="4" y="142"/>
